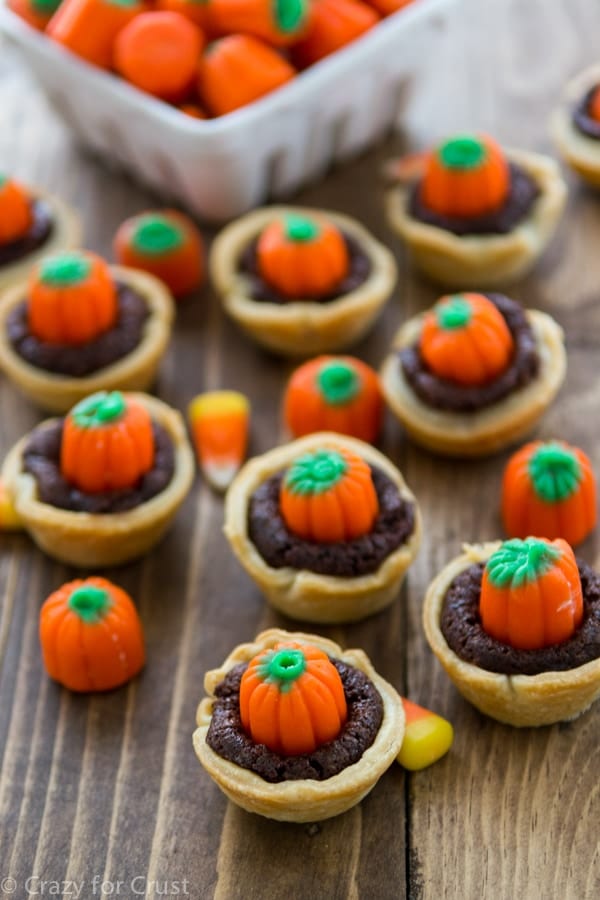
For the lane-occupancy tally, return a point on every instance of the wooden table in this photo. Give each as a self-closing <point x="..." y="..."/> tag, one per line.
<point x="108" y="787"/>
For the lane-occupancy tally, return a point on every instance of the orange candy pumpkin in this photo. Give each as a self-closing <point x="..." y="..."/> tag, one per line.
<point x="15" y="211"/>
<point x="278" y="22"/>
<point x="107" y="443"/>
<point x="91" y="636"/>
<point x="466" y="339"/>
<point x="465" y="177"/>
<point x="302" y="257"/>
<point x="333" y="25"/>
<point x="167" y="244"/>
<point x="72" y="298"/>
<point x="531" y="594"/>
<point x="549" y="490"/>
<point x="292" y="699"/>
<point x="334" y="393"/>
<point x="329" y="496"/>
<point x="36" y="13"/>
<point x="594" y="105"/>
<point x="388" y="7"/>
<point x="89" y="28"/>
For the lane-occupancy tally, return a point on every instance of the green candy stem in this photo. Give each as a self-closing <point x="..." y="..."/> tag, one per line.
<point x="464" y="151"/>
<point x="283" y="667"/>
<point x="90" y="603"/>
<point x="300" y="230"/>
<point x="46" y="7"/>
<point x="156" y="236"/>
<point x="65" y="270"/>
<point x="316" y="472"/>
<point x="555" y="472"/>
<point x="290" y="15"/>
<point x="3" y="180"/>
<point x="518" y="562"/>
<point x="99" y="409"/>
<point x="453" y="313"/>
<point x="338" y="382"/>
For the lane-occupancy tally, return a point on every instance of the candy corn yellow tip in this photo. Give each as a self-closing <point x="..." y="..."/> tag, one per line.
<point x="218" y="403"/>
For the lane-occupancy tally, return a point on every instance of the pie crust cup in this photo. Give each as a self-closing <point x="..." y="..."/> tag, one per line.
<point x="484" y="261"/>
<point x="91" y="540"/>
<point x="484" y="431"/>
<point x="520" y="700"/>
<point x="300" y="328"/>
<point x="136" y="371"/>
<point x="65" y="235"/>
<point x="304" y="800"/>
<point x="299" y="593"/>
<point x="582" y="153"/>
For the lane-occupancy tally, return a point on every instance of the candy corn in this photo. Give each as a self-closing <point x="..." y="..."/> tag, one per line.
<point x="220" y="422"/>
<point x="428" y="737"/>
<point x="9" y="520"/>
<point x="404" y="169"/>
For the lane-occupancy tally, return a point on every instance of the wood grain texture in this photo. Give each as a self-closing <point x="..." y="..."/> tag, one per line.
<point x="108" y="786"/>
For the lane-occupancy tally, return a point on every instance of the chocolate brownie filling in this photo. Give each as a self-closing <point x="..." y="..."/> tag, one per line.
<point x="83" y="359"/>
<point x="582" y="120"/>
<point x="461" y="626"/>
<point x="39" y="231"/>
<point x="226" y="735"/>
<point x="359" y="271"/>
<point x="523" y="193"/>
<point x="361" y="556"/>
<point x="449" y="395"/>
<point x="41" y="458"/>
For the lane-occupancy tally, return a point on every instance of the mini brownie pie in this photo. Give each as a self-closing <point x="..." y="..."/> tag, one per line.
<point x="296" y="729"/>
<point x="326" y="526"/>
<point x="78" y="326"/>
<point x="476" y="216"/>
<point x="101" y="486"/>
<point x="301" y="281"/>
<point x="549" y="489"/>
<point x="576" y="125"/>
<point x="334" y="393"/>
<point x="32" y="223"/>
<point x="516" y="626"/>
<point x="473" y="374"/>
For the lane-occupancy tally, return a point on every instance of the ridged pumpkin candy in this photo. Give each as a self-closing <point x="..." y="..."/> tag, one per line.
<point x="91" y="636"/>
<point x="334" y="393"/>
<point x="466" y="339"/>
<point x="15" y="211"/>
<point x="531" y="594"/>
<point x="549" y="490"/>
<point x="292" y="699"/>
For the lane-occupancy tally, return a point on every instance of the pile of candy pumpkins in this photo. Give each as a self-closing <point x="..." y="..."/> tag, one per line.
<point x="207" y="57"/>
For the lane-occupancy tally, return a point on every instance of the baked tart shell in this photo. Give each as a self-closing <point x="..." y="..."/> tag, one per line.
<point x="581" y="152"/>
<point x="304" y="800"/>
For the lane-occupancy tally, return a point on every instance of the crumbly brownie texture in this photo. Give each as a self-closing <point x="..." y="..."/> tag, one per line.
<point x="227" y="738"/>
<point x="41" y="458"/>
<point x="280" y="548"/>
<point x="461" y="627"/>
<point x="444" y="394"/>
<point x="83" y="360"/>
<point x="40" y="230"/>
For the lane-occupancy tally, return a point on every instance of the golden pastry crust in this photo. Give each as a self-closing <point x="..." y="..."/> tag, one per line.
<point x="521" y="700"/>
<point x="472" y="434"/>
<point x="134" y="372"/>
<point x="305" y="595"/>
<point x="302" y="328"/>
<point x="484" y="261"/>
<point x="65" y="235"/>
<point x="581" y="152"/>
<point x="95" y="540"/>
<point x="305" y="800"/>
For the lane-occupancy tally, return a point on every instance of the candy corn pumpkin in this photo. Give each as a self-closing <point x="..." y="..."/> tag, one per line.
<point x="166" y="244"/>
<point x="220" y="422"/>
<point x="15" y="211"/>
<point x="466" y="176"/>
<point x="292" y="699"/>
<point x="89" y="28"/>
<point x="334" y="393"/>
<point x="302" y="257"/>
<point x="329" y="496"/>
<point x="466" y="339"/>
<point x="36" y="13"/>
<point x="91" y="636"/>
<point x="278" y="22"/>
<point x="107" y="443"/>
<point x="531" y="594"/>
<point x="333" y="25"/>
<point x="549" y="489"/>
<point x="72" y="298"/>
